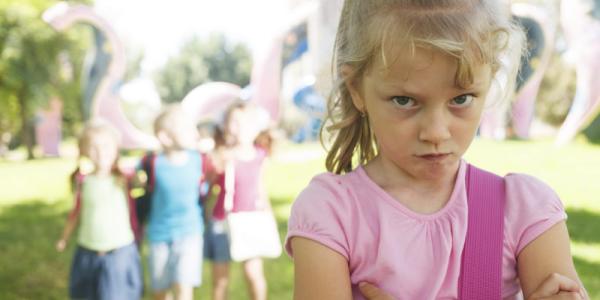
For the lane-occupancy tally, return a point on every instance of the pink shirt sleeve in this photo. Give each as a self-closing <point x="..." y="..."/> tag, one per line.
<point x="321" y="213"/>
<point x="532" y="207"/>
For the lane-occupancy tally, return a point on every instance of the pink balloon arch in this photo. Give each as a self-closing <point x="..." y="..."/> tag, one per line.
<point x="582" y="34"/>
<point x="205" y="101"/>
<point x="106" y="103"/>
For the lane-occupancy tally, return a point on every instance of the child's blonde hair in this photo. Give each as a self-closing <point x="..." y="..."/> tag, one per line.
<point x="94" y="129"/>
<point x="168" y="117"/>
<point x="473" y="32"/>
<point x="265" y="138"/>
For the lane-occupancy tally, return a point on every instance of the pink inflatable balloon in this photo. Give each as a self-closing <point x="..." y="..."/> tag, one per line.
<point x="266" y="77"/>
<point x="583" y="37"/>
<point x="523" y="110"/>
<point x="106" y="104"/>
<point x="48" y="128"/>
<point x="209" y="100"/>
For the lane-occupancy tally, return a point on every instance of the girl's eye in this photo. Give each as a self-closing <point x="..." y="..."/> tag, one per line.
<point x="403" y="101"/>
<point x="462" y="100"/>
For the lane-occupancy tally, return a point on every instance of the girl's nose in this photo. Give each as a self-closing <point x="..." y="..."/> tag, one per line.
<point x="434" y="127"/>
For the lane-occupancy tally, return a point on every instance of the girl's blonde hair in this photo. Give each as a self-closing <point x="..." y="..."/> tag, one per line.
<point x="94" y="129"/>
<point x="168" y="117"/>
<point x="223" y="138"/>
<point x="473" y="32"/>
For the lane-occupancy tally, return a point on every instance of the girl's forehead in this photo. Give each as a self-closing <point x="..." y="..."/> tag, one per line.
<point x="407" y="64"/>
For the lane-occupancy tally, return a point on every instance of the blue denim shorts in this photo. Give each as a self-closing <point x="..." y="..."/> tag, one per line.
<point x="176" y="262"/>
<point x="116" y="274"/>
<point x="216" y="241"/>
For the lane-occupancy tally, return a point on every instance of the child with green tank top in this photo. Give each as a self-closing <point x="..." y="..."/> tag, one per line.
<point x="106" y="264"/>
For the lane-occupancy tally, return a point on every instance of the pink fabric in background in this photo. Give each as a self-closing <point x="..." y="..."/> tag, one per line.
<point x="48" y="130"/>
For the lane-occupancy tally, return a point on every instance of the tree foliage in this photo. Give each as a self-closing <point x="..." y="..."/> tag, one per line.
<point x="200" y="61"/>
<point x="34" y="67"/>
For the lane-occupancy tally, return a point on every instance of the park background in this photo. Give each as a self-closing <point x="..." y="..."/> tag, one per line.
<point x="207" y="42"/>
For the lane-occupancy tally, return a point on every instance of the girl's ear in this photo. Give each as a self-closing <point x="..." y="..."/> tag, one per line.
<point x="350" y="81"/>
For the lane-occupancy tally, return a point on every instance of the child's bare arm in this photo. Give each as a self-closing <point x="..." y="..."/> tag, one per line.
<point x="319" y="272"/>
<point x="546" y="264"/>
<point x="70" y="226"/>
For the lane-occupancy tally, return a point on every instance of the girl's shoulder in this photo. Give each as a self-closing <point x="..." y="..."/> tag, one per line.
<point x="324" y="211"/>
<point x="328" y="189"/>
<point x="532" y="207"/>
<point x="331" y="181"/>
<point x="529" y="188"/>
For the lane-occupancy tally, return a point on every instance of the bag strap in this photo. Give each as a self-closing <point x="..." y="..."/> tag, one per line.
<point x="481" y="266"/>
<point x="133" y="217"/>
<point x="229" y="185"/>
<point x="148" y="167"/>
<point x="77" y="179"/>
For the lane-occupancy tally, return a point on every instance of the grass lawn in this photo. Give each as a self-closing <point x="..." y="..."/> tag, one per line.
<point x="34" y="200"/>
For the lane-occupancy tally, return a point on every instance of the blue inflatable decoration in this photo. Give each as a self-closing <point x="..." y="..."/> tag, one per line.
<point x="309" y="101"/>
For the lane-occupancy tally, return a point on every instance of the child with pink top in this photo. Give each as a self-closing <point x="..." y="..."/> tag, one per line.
<point x="413" y="78"/>
<point x="239" y="142"/>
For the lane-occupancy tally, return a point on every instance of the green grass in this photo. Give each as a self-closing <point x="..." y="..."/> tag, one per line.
<point x="34" y="200"/>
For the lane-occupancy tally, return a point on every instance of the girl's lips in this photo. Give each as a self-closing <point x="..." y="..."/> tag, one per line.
<point x="434" y="157"/>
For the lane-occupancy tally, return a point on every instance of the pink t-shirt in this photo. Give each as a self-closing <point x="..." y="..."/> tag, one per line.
<point x="247" y="185"/>
<point x="407" y="254"/>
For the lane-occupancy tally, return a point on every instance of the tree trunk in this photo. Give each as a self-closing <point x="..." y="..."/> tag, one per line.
<point x="26" y="128"/>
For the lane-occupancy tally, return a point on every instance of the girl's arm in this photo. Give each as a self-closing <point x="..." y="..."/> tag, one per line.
<point x="540" y="263"/>
<point x="319" y="272"/>
<point x="264" y="194"/>
<point x="73" y="217"/>
<point x="70" y="226"/>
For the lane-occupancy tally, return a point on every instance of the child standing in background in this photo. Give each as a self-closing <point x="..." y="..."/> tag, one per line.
<point x="412" y="82"/>
<point x="242" y="142"/>
<point x="175" y="225"/>
<point x="106" y="264"/>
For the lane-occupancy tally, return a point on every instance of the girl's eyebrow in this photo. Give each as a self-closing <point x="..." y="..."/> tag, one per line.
<point x="400" y="90"/>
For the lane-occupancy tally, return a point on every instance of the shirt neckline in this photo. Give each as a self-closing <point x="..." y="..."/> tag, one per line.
<point x="457" y="190"/>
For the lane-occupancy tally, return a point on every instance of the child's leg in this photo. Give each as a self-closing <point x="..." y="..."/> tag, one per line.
<point x="220" y="273"/>
<point x="187" y="265"/>
<point x="121" y="274"/>
<point x="161" y="273"/>
<point x="253" y="270"/>
<point x="184" y="292"/>
<point x="162" y="295"/>
<point x="217" y="250"/>
<point x="83" y="277"/>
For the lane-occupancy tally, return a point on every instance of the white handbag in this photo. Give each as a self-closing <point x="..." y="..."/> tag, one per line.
<point x="252" y="234"/>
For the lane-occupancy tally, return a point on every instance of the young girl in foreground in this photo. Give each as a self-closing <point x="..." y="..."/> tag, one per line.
<point x="412" y="82"/>
<point x="106" y="264"/>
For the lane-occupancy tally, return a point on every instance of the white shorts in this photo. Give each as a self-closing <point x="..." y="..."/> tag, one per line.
<point x="176" y="262"/>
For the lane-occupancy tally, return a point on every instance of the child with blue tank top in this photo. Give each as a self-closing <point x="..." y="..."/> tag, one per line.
<point x="106" y="264"/>
<point x="175" y="224"/>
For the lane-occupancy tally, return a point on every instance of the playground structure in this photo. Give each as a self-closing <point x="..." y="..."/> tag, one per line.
<point x="291" y="76"/>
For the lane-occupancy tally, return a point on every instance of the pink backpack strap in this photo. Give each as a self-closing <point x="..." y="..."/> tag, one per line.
<point x="133" y="218"/>
<point x="148" y="162"/>
<point x="78" y="179"/>
<point x="481" y="268"/>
